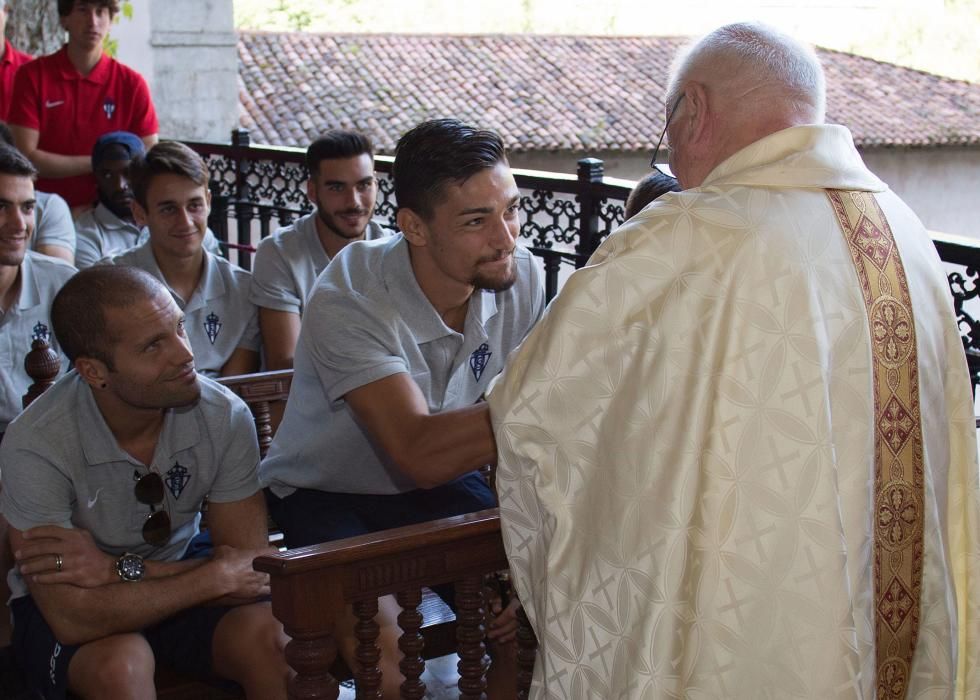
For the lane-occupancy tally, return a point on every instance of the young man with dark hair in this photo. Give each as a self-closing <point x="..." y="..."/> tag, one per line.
<point x="400" y="338"/>
<point x="172" y="200"/>
<point x="10" y="60"/>
<point x="112" y="579"/>
<point x="651" y="187"/>
<point x="28" y="281"/>
<point x="82" y="87"/>
<point x="342" y="189"/>
<point x="109" y="228"/>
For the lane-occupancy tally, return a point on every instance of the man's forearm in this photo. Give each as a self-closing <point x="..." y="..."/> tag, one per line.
<point x="55" y="165"/>
<point x="450" y="444"/>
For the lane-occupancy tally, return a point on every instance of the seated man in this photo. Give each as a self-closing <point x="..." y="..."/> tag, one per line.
<point x="109" y="228"/>
<point x="384" y="425"/>
<point x="54" y="230"/>
<point x="172" y="200"/>
<point x="343" y="189"/>
<point x="28" y="281"/>
<point x="103" y="510"/>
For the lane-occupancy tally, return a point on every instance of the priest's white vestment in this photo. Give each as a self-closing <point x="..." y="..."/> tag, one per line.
<point x="686" y="450"/>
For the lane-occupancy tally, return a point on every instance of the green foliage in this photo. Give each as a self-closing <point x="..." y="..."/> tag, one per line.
<point x="110" y="45"/>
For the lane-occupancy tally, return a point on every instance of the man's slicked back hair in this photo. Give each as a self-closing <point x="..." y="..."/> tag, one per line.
<point x="651" y="187"/>
<point x="334" y="144"/>
<point x="165" y="158"/>
<point x="66" y="6"/>
<point x="13" y="162"/>
<point x="438" y="152"/>
<point x="78" y="310"/>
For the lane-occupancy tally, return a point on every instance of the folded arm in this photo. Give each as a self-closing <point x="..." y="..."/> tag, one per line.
<point x="430" y="448"/>
<point x="51" y="165"/>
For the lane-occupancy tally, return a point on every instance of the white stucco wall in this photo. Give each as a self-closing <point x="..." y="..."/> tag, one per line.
<point x="186" y="49"/>
<point x="941" y="185"/>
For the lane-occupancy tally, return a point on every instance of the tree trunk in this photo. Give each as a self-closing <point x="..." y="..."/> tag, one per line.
<point x="33" y="27"/>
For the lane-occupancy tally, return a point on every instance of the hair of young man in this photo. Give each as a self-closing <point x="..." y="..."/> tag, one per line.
<point x="65" y="7"/>
<point x="13" y="162"/>
<point x="165" y="158"/>
<point x="438" y="152"/>
<point x="6" y="135"/>
<point x="334" y="144"/>
<point x="757" y="68"/>
<point x="648" y="189"/>
<point x="78" y="311"/>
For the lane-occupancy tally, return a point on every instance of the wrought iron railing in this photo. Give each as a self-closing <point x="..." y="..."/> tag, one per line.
<point x="255" y="189"/>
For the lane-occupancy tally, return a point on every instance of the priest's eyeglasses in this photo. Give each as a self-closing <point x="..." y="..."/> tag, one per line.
<point x="656" y="151"/>
<point x="149" y="492"/>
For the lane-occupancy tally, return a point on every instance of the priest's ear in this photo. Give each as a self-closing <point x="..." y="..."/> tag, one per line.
<point x="693" y="111"/>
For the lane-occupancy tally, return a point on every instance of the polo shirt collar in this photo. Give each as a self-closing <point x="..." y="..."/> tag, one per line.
<point x="210" y="286"/>
<point x="30" y="293"/>
<point x="411" y="302"/>
<point x="307" y="227"/>
<point x="179" y="431"/>
<point x="108" y="220"/>
<point x="99" y="74"/>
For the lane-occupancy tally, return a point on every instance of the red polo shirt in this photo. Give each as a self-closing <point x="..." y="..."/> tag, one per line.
<point x="70" y="112"/>
<point x="11" y="61"/>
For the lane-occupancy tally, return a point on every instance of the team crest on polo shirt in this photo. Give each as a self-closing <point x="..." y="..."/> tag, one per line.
<point x="109" y="107"/>
<point x="177" y="478"/>
<point x="41" y="332"/>
<point x="212" y="326"/>
<point x="479" y="359"/>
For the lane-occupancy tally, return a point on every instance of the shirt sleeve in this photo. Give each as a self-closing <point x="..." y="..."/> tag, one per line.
<point x="25" y="110"/>
<point x="87" y="250"/>
<point x="238" y="450"/>
<point x="349" y="342"/>
<point x="143" y="119"/>
<point x="53" y="223"/>
<point x="251" y="337"/>
<point x="273" y="286"/>
<point x="35" y="491"/>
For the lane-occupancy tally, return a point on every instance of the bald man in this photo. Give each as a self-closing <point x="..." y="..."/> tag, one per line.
<point x="739" y="448"/>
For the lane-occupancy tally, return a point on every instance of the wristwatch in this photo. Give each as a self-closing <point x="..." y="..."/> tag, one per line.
<point x="130" y="567"/>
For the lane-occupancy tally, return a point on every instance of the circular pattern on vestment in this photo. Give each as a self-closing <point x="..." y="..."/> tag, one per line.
<point x="891" y="331"/>
<point x="898" y="514"/>
<point x="893" y="678"/>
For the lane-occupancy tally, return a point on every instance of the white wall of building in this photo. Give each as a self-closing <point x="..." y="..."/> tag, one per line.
<point x="941" y="185"/>
<point x="186" y="50"/>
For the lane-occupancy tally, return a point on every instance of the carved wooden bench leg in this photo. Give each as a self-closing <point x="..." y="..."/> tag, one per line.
<point x="367" y="674"/>
<point x="527" y="649"/>
<point x="410" y="643"/>
<point x="470" y="633"/>
<point x="309" y="657"/>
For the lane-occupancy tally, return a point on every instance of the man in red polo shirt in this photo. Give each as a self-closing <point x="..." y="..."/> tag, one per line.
<point x="66" y="100"/>
<point x="10" y="61"/>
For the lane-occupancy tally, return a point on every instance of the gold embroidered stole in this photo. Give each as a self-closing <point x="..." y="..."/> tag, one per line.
<point x="898" y="480"/>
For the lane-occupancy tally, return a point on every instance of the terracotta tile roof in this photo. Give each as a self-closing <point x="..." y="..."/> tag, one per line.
<point x="581" y="93"/>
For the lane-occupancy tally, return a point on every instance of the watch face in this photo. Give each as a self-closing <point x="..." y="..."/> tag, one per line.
<point x="130" y="567"/>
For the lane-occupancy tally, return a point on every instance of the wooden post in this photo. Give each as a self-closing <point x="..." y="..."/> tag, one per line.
<point x="42" y="365"/>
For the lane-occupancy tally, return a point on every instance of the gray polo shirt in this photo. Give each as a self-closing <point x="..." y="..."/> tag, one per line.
<point x="288" y="262"/>
<point x="102" y="234"/>
<point x="78" y="476"/>
<point x="367" y="319"/>
<point x="52" y="222"/>
<point x="219" y="316"/>
<point x="28" y="318"/>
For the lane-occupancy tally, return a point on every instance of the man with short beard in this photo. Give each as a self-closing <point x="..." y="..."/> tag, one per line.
<point x="400" y="338"/>
<point x="342" y="187"/>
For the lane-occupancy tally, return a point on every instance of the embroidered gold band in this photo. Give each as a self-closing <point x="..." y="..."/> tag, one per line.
<point x="898" y="480"/>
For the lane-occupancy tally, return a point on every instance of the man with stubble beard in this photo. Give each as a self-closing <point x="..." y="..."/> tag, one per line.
<point x="342" y="188"/>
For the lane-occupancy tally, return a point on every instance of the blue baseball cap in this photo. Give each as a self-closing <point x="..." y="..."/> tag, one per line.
<point x="128" y="140"/>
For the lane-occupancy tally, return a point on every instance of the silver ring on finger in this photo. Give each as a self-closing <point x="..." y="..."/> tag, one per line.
<point x="58" y="562"/>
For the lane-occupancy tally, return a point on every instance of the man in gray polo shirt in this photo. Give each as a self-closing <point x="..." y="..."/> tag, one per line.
<point x="103" y="480"/>
<point x="342" y="187"/>
<point x="171" y="199"/>
<point x="400" y="338"/>
<point x="28" y="281"/>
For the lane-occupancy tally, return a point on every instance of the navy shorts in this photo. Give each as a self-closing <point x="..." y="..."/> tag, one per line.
<point x="181" y="642"/>
<point x="309" y="516"/>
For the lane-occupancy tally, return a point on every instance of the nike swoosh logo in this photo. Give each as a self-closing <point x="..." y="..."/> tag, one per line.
<point x="91" y="501"/>
<point x="53" y="103"/>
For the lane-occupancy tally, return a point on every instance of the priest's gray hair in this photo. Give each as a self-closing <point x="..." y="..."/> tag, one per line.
<point x="754" y="61"/>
